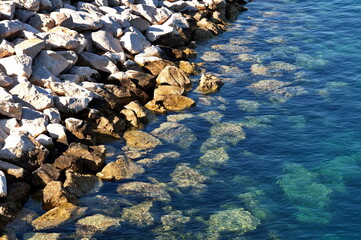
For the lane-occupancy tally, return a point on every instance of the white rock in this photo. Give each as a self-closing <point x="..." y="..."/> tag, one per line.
<point x="155" y="32"/>
<point x="116" y="58"/>
<point x="7" y="125"/>
<point x="52" y="61"/>
<point x="18" y="65"/>
<point x="95" y="61"/>
<point x="7" y="10"/>
<point x="153" y="3"/>
<point x="70" y="56"/>
<point x="3" y="187"/>
<point x="70" y="89"/>
<point x="85" y="73"/>
<point x="111" y="24"/>
<point x="105" y="41"/>
<point x="84" y="21"/>
<point x="41" y="76"/>
<point x="42" y="22"/>
<point x="33" y="96"/>
<point x="5" y="80"/>
<point x="134" y="41"/>
<point x="70" y="105"/>
<point x="135" y="21"/>
<point x="31" y="5"/>
<point x="30" y="47"/>
<point x="33" y="122"/>
<point x="45" y="140"/>
<point x="10" y="27"/>
<point x="90" y="8"/>
<point x="8" y="107"/>
<point x="53" y="114"/>
<point x="61" y="37"/>
<point x="57" y="132"/>
<point x="6" y="49"/>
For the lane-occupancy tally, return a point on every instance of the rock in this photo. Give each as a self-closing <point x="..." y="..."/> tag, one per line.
<point x="17" y="65"/>
<point x="266" y="86"/>
<point x="215" y="157"/>
<point x="170" y="102"/>
<point x="175" y="133"/>
<point x="64" y="38"/>
<point x="141" y="112"/>
<point x="163" y="91"/>
<point x="57" y="216"/>
<point x="94" y="224"/>
<point x="32" y="96"/>
<point x="52" y="61"/>
<point x="23" y="152"/>
<point x="71" y="57"/>
<point x="71" y="89"/>
<point x="24" y="15"/>
<point x="18" y="192"/>
<point x="84" y="21"/>
<point x="106" y="42"/>
<point x="187" y="67"/>
<point x="42" y="236"/>
<point x="10" y="27"/>
<point x="154" y="64"/>
<point x="139" y="214"/>
<point x="45" y="174"/>
<point x="110" y="24"/>
<point x="120" y="169"/>
<point x="155" y="32"/>
<point x="6" y="49"/>
<point x="116" y="58"/>
<point x="58" y="133"/>
<point x="248" y="105"/>
<point x="30" y="47"/>
<point x="93" y="156"/>
<point x="145" y="80"/>
<point x="205" y="23"/>
<point x="187" y="177"/>
<point x="173" y="76"/>
<point x="68" y="106"/>
<point x="159" y="158"/>
<point x="144" y="190"/>
<point x="202" y="34"/>
<point x="79" y="184"/>
<point x="33" y="122"/>
<point x="131" y="117"/>
<point x="100" y="63"/>
<point x="233" y="220"/>
<point x="87" y="74"/>
<point x="42" y="22"/>
<point x="13" y="170"/>
<point x="173" y="220"/>
<point x="3" y="185"/>
<point x="134" y="41"/>
<point x="5" y="81"/>
<point x="42" y="77"/>
<point x="179" y="117"/>
<point x="140" y="140"/>
<point x="229" y="132"/>
<point x="7" y="10"/>
<point x="65" y="162"/>
<point x="45" y="140"/>
<point x="62" y="19"/>
<point x="78" y="128"/>
<point x="209" y="83"/>
<point x="55" y="195"/>
<point x="8" y="107"/>
<point x="213" y="117"/>
<point x="53" y="114"/>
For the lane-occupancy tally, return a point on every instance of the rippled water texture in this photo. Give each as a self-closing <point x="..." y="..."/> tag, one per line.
<point x="276" y="154"/>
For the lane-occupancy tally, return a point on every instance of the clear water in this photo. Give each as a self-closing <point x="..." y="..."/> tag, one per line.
<point x="299" y="168"/>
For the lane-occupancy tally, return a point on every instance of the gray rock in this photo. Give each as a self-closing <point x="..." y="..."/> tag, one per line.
<point x="52" y="61"/>
<point x="7" y="10"/>
<point x="86" y="73"/>
<point x="175" y="133"/>
<point x="5" y="80"/>
<point x="156" y="32"/>
<point x="33" y="121"/>
<point x="30" y="47"/>
<point x="45" y="174"/>
<point x="144" y="190"/>
<point x="71" y="57"/>
<point x="215" y="157"/>
<point x="23" y="15"/>
<point x="57" y="132"/>
<point x="266" y="86"/>
<point x="106" y="42"/>
<point x="8" y="125"/>
<point x="229" y="132"/>
<point x="18" y="65"/>
<point x="45" y="5"/>
<point x="140" y="140"/>
<point x="13" y="170"/>
<point x="8" y="107"/>
<point x="42" y="22"/>
<point x="110" y="24"/>
<point x="116" y="58"/>
<point x="32" y="96"/>
<point x="135" y="21"/>
<point x="10" y="27"/>
<point x="90" y="8"/>
<point x="120" y="169"/>
<point x="56" y="4"/>
<point x="62" y="19"/>
<point x="84" y="21"/>
<point x="154" y="15"/>
<point x="53" y="114"/>
<point x="70" y="105"/>
<point x="3" y="185"/>
<point x="100" y="63"/>
<point x="134" y="41"/>
<point x="55" y="195"/>
<point x="41" y="76"/>
<point x="139" y="214"/>
<point x="71" y="89"/>
<point x="153" y="3"/>
<point x="96" y="223"/>
<point x="31" y="5"/>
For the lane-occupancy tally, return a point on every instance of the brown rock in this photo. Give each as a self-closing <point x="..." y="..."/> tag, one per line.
<point x="45" y="174"/>
<point x="120" y="169"/>
<point x="55" y="195"/>
<point x="177" y="103"/>
<point x="79" y="184"/>
<point x="140" y="140"/>
<point x="173" y="76"/>
<point x="209" y="83"/>
<point x="66" y="162"/>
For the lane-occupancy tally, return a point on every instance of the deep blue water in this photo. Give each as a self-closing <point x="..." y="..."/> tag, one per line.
<point x="299" y="168"/>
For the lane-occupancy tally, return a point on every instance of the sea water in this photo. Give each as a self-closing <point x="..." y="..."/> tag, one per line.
<point x="284" y="131"/>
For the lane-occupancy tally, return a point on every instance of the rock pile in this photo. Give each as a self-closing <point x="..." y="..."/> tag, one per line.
<point x="72" y="72"/>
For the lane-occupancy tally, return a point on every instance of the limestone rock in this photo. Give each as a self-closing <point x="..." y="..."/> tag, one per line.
<point x="134" y="41"/>
<point x="184" y="177"/>
<point x="5" y="81"/>
<point x="3" y="185"/>
<point x="106" y="42"/>
<point x="41" y="76"/>
<point x="8" y="107"/>
<point x="57" y="216"/>
<point x="215" y="157"/>
<point x="7" y="10"/>
<point x="175" y="133"/>
<point x="45" y="174"/>
<point x="6" y="49"/>
<point x="52" y="61"/>
<point x="229" y="132"/>
<point x="53" y="114"/>
<point x="30" y="47"/>
<point x="95" y="224"/>
<point x="66" y="162"/>
<point x="173" y="76"/>
<point x="170" y="102"/>
<point x="13" y="170"/>
<point x="8" y="125"/>
<point x="120" y="169"/>
<point x="86" y="73"/>
<point x="42" y="22"/>
<point x="57" y="132"/>
<point x="131" y="117"/>
<point x="32" y="96"/>
<point x="156" y="32"/>
<point x="46" y="141"/>
<point x="18" y="65"/>
<point x="97" y="62"/>
<point x="140" y="140"/>
<point x="55" y="195"/>
<point x="111" y="24"/>
<point x="144" y="190"/>
<point x="64" y="38"/>
<point x="79" y="184"/>
<point x="84" y="21"/>
<point x="70" y="105"/>
<point x="33" y="121"/>
<point x="139" y="214"/>
<point x="209" y="83"/>
<point x="10" y="27"/>
<point x="70" y="89"/>
<point x="62" y="19"/>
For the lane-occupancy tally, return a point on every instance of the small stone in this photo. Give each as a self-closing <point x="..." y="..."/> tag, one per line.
<point x="17" y="65"/>
<point x="209" y="83"/>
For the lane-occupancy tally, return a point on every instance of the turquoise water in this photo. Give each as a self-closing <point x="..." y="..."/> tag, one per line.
<point x="298" y="170"/>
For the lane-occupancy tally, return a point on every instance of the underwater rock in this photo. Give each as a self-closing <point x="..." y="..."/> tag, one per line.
<point x="179" y="117"/>
<point x="247" y="105"/>
<point x="233" y="220"/>
<point x="80" y="184"/>
<point x="283" y="94"/>
<point x="173" y="220"/>
<point x="212" y="144"/>
<point x="186" y="177"/>
<point x="282" y="66"/>
<point x="213" y="116"/>
<point x="212" y="56"/>
<point x="139" y="214"/>
<point x="175" y="133"/>
<point x="254" y="202"/>
<point x="214" y="158"/>
<point x="259" y="69"/>
<point x="88" y="226"/>
<point x="266" y="86"/>
<point x="229" y="132"/>
<point x="41" y="236"/>
<point x="144" y="190"/>
<point x="159" y="158"/>
<point x="140" y="140"/>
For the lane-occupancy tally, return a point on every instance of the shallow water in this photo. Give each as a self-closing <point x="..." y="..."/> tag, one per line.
<point x="298" y="169"/>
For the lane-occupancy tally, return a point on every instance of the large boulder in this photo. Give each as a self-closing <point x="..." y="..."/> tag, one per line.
<point x="144" y="190"/>
<point x="173" y="76"/>
<point x="52" y="61"/>
<point x="30" y="47"/>
<point x="106" y="42"/>
<point x="10" y="27"/>
<point x="34" y="122"/>
<point x="134" y="41"/>
<point x="64" y="38"/>
<point x="79" y="184"/>
<point x="18" y="65"/>
<point x="120" y="169"/>
<point x="68" y="106"/>
<point x="97" y="62"/>
<point x="140" y="140"/>
<point x="13" y="171"/>
<point x="45" y="174"/>
<point x="209" y="83"/>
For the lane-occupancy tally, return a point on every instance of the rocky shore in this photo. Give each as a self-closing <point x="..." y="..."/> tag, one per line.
<point x="74" y="74"/>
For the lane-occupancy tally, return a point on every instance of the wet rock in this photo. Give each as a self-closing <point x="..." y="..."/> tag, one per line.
<point x="173" y="76"/>
<point x="259" y="69"/>
<point x="106" y="42"/>
<point x="173" y="220"/>
<point x="42" y="236"/>
<point x="248" y="105"/>
<point x="212" y="144"/>
<point x="179" y="117"/>
<point x="80" y="184"/>
<point x="233" y="220"/>
<point x="212" y="56"/>
<point x="159" y="158"/>
<point x="32" y="96"/>
<point x="10" y="27"/>
<point x="175" y="133"/>
<point x="229" y="132"/>
<point x="52" y="61"/>
<point x="97" y="62"/>
<point x="140" y="140"/>
<point x="266" y="86"/>
<point x="139" y="214"/>
<point x="53" y="114"/>
<point x="131" y="117"/>
<point x="45" y="174"/>
<point x="33" y="121"/>
<point x="186" y="177"/>
<point x="213" y="117"/>
<point x="55" y="195"/>
<point x="65" y="162"/>
<point x="144" y="190"/>
<point x="57" y="216"/>
<point x="30" y="47"/>
<point x="96" y="223"/>
<point x="3" y="185"/>
<point x="8" y="107"/>
<point x="209" y="83"/>
<point x="134" y="41"/>
<point x="93" y="156"/>
<point x="17" y="65"/>
<point x="283" y="94"/>
<point x="215" y="158"/>
<point x="120" y="169"/>
<point x="12" y="170"/>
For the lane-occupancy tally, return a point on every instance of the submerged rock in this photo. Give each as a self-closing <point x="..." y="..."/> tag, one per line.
<point x="159" y="158"/>
<point x="88" y="226"/>
<point x="214" y="158"/>
<point x="139" y="214"/>
<point x="213" y="117"/>
<point x="266" y="86"/>
<point x="187" y="177"/>
<point x="144" y="190"/>
<point x="248" y="105"/>
<point x="229" y="132"/>
<point x="173" y="220"/>
<point x="42" y="236"/>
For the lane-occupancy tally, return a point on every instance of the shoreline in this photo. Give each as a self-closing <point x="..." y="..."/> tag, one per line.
<point x="68" y="83"/>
